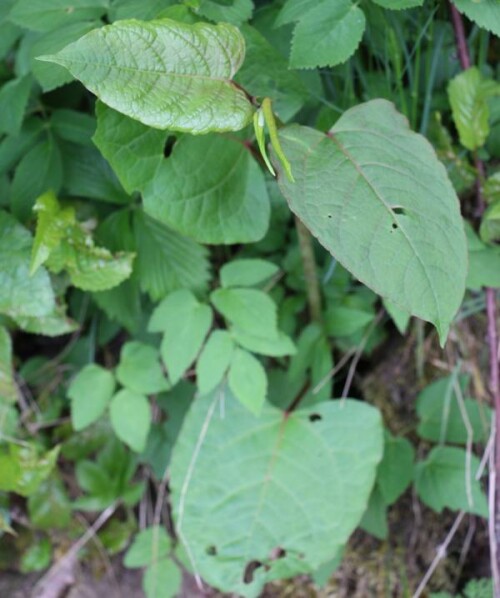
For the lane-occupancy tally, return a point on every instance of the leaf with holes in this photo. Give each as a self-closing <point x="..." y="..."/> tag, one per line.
<point x="376" y="196"/>
<point x="261" y="498"/>
<point x="166" y="74"/>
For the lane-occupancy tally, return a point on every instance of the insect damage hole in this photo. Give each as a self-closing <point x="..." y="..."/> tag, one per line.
<point x="315" y="417"/>
<point x="250" y="569"/>
<point x="169" y="145"/>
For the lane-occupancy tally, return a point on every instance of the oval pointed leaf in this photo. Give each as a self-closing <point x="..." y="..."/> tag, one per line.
<point x="245" y="487"/>
<point x="166" y="74"/>
<point x="376" y="196"/>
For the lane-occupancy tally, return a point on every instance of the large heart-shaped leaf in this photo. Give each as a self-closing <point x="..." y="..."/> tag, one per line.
<point x="212" y="190"/>
<point x="376" y="196"/>
<point x="166" y="74"/>
<point x="260" y="498"/>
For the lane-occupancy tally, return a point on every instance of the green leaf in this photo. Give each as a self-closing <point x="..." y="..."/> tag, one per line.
<point x="214" y="360"/>
<point x="400" y="318"/>
<point x="327" y="34"/>
<point x="484" y="269"/>
<point x="24" y="468"/>
<point x="375" y="517"/>
<point x="483" y="12"/>
<point x="275" y="345"/>
<point x="139" y="369"/>
<point x="49" y="506"/>
<point x="252" y="314"/>
<point x="64" y="244"/>
<point x="136" y="9"/>
<point x="9" y="421"/>
<point x="247" y="272"/>
<point x="228" y="11"/>
<point x="442" y="418"/>
<point x="94" y="479"/>
<point x="52" y="226"/>
<point x="442" y="481"/>
<point x="44" y="15"/>
<point x="189" y="67"/>
<point x="399" y="4"/>
<point x="73" y="126"/>
<point x="21" y="295"/>
<point x="90" y="392"/>
<point x="12" y="149"/>
<point x="52" y="324"/>
<point x="293" y="10"/>
<point x="134" y="151"/>
<point x="210" y="189"/>
<point x="265" y="72"/>
<point x="168" y="261"/>
<point x="247" y="380"/>
<point x="14" y="97"/>
<point x="249" y="310"/>
<point x="45" y="160"/>
<point x="122" y="304"/>
<point x="8" y="387"/>
<point x="185" y="323"/>
<point x="341" y="320"/>
<point x="490" y="223"/>
<point x="296" y="492"/>
<point x="162" y="579"/>
<point x="395" y="471"/>
<point x="50" y="76"/>
<point x="130" y="415"/>
<point x="149" y="545"/>
<point x="468" y="93"/>
<point x="115" y="536"/>
<point x="370" y="163"/>
<point x="37" y="556"/>
<point x="87" y="174"/>
<point x="163" y="437"/>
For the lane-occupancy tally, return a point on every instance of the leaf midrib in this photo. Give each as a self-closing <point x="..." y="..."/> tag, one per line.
<point x="333" y="137"/>
<point x="66" y="63"/>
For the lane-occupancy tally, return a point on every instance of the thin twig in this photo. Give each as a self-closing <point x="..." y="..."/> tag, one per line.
<point x="359" y="353"/>
<point x="72" y="553"/>
<point x="440" y="555"/>
<point x="491" y="311"/>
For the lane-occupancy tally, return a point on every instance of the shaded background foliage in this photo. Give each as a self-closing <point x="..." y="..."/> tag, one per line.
<point x="166" y="368"/>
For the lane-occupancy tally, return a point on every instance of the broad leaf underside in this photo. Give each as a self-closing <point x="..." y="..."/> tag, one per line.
<point x="375" y="195"/>
<point x="245" y="486"/>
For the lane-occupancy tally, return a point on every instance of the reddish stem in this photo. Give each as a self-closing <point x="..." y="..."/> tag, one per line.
<point x="458" y="26"/>
<point x="491" y="303"/>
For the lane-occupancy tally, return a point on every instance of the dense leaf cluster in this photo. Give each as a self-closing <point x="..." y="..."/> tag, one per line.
<point x="199" y="284"/>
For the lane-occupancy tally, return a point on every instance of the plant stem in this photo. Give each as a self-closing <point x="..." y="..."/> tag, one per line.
<point x="491" y="311"/>
<point x="458" y="26"/>
<point x="310" y="274"/>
